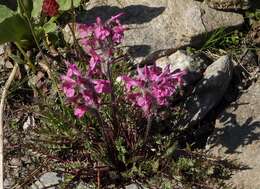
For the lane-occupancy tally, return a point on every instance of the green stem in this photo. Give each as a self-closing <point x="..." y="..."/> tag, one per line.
<point x="113" y="101"/>
<point x="44" y="57"/>
<point x="29" y="62"/>
<point x="148" y="127"/>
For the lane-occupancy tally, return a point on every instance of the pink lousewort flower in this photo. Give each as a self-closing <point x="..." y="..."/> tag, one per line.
<point x="82" y="91"/>
<point x="69" y="80"/>
<point x="68" y="85"/>
<point x="151" y="87"/>
<point x="94" y="60"/>
<point x="80" y="111"/>
<point x="99" y="39"/>
<point x="101" y="32"/>
<point x="145" y="101"/>
<point x="102" y="86"/>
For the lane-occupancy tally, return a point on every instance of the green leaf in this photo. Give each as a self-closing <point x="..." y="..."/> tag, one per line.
<point x="169" y="152"/>
<point x="66" y="4"/>
<point x="5" y="13"/>
<point x="50" y="26"/>
<point x="37" y="8"/>
<point x="25" y="7"/>
<point x="12" y="26"/>
<point x="155" y="165"/>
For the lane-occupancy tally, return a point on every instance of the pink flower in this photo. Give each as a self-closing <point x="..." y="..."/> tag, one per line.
<point x="90" y="98"/>
<point x="73" y="70"/>
<point x="94" y="60"/>
<point x="100" y="31"/>
<point x="68" y="88"/>
<point x="130" y="82"/>
<point x="68" y="85"/>
<point x="79" y="89"/>
<point x="80" y="111"/>
<point x="151" y="87"/>
<point x="115" y="18"/>
<point x="102" y="86"/>
<point x="84" y="30"/>
<point x="118" y="34"/>
<point x="145" y="102"/>
<point x="98" y="40"/>
<point x="86" y="90"/>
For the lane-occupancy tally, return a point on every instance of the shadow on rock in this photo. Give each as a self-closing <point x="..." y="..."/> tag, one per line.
<point x="139" y="50"/>
<point x="134" y="14"/>
<point x="234" y="135"/>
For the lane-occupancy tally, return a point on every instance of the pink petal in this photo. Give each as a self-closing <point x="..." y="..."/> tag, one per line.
<point x="102" y="86"/>
<point x="80" y="111"/>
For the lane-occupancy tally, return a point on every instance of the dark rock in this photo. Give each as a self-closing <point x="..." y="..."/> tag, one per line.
<point x="209" y="90"/>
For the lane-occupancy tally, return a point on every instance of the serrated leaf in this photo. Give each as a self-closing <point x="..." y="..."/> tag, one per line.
<point x="37" y="8"/>
<point x="66" y="4"/>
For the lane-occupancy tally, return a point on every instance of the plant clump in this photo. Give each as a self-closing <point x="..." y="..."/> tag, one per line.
<point x="99" y="118"/>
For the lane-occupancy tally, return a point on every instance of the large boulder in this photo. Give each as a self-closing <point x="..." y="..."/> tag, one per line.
<point x="160" y="26"/>
<point x="237" y="137"/>
<point x="209" y="90"/>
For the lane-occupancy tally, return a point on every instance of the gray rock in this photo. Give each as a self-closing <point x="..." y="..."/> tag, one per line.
<point x="181" y="61"/>
<point x="8" y="182"/>
<point x="134" y="186"/>
<point x="47" y="180"/>
<point x="81" y="185"/>
<point x="158" y="27"/>
<point x="229" y="4"/>
<point x="29" y="123"/>
<point x="209" y="90"/>
<point x="237" y="137"/>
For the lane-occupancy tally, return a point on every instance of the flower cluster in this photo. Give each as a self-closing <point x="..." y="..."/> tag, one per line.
<point x="50" y="7"/>
<point x="83" y="91"/>
<point x="152" y="87"/>
<point x="99" y="40"/>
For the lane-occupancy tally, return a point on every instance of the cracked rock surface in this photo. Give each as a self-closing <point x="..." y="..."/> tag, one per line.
<point x="236" y="137"/>
<point x="163" y="25"/>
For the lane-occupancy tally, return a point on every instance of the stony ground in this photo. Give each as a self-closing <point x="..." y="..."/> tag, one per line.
<point x="237" y="137"/>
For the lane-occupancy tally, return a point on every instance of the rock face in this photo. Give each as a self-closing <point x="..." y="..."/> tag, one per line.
<point x="162" y="25"/>
<point x="181" y="61"/>
<point x="237" y="137"/>
<point x="47" y="180"/>
<point x="229" y="4"/>
<point x="209" y="90"/>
